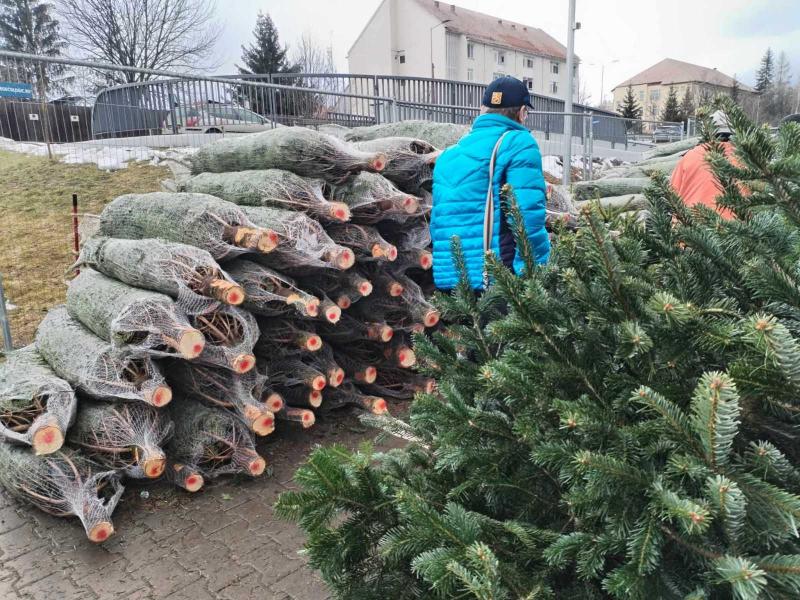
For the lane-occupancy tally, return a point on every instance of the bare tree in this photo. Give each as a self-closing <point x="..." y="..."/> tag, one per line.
<point x="147" y="34"/>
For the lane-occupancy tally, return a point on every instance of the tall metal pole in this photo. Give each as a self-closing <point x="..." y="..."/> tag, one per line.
<point x="568" y="103"/>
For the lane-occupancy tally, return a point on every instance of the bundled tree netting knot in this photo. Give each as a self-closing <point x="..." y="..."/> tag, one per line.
<point x="199" y="220"/>
<point x="124" y="436"/>
<point x="230" y="335"/>
<point x="212" y="441"/>
<point x="440" y="135"/>
<point x="63" y="484"/>
<point x="91" y="365"/>
<point x="136" y="320"/>
<point x="273" y="188"/>
<point x="242" y="395"/>
<point x="270" y="293"/>
<point x="304" y="245"/>
<point x="409" y="161"/>
<point x="373" y="198"/>
<point x="186" y="273"/>
<point x="302" y="151"/>
<point x="36" y="406"/>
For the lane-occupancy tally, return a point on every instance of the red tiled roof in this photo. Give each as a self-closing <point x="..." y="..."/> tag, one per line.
<point x="492" y="30"/>
<point x="670" y="71"/>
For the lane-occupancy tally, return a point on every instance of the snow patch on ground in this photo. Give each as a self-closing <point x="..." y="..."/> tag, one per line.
<point x="552" y="166"/>
<point x="108" y="157"/>
<point x="10" y="306"/>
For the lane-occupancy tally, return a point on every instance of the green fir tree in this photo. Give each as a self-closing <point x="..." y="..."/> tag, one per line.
<point x="765" y="72"/>
<point x="29" y="26"/>
<point x="630" y="109"/>
<point x="736" y="89"/>
<point x="672" y="111"/>
<point x="687" y="108"/>
<point x="626" y="428"/>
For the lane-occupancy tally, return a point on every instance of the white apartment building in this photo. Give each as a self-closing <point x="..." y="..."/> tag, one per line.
<point x="428" y="38"/>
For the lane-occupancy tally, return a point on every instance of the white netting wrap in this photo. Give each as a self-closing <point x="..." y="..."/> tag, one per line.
<point x="212" y="441"/>
<point x="62" y="484"/>
<point x="404" y="307"/>
<point x="199" y="220"/>
<point x="350" y="329"/>
<point x="365" y="240"/>
<point x="349" y="395"/>
<point x="342" y="288"/>
<point x="230" y="335"/>
<point x="136" y="320"/>
<point x="401" y="384"/>
<point x="413" y="242"/>
<point x="303" y="243"/>
<point x="302" y="151"/>
<point x="186" y="273"/>
<point x="409" y="161"/>
<point x="440" y="135"/>
<point x="221" y="388"/>
<point x="373" y="198"/>
<point x="283" y="336"/>
<point x="274" y="188"/>
<point x="270" y="293"/>
<point x="125" y="437"/>
<point x="36" y="406"/>
<point x="93" y="366"/>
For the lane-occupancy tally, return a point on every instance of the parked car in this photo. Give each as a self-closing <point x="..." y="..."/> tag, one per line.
<point x="667" y="133"/>
<point x="216" y="118"/>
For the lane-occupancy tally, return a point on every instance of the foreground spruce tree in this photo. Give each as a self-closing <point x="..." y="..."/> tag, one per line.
<point x="628" y="430"/>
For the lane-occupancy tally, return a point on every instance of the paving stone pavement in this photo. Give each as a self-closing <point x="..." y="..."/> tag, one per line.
<point x="223" y="542"/>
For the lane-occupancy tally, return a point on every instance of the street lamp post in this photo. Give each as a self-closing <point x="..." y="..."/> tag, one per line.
<point x="433" y="75"/>
<point x="602" y="66"/>
<point x="567" y="161"/>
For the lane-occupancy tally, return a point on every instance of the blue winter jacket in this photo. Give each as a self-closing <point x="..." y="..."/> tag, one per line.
<point x="460" y="183"/>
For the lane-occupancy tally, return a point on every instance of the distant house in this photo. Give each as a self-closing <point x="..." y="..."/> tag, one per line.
<point x="651" y="86"/>
<point x="427" y="38"/>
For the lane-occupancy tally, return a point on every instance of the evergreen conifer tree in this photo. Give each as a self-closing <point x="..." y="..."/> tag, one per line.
<point x="629" y="429"/>
<point x="735" y="89"/>
<point x="687" y="108"/>
<point x="630" y="109"/>
<point x="672" y="111"/>
<point x="765" y="72"/>
<point x="29" y="26"/>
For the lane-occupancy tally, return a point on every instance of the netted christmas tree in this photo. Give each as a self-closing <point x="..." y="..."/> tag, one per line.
<point x="622" y="423"/>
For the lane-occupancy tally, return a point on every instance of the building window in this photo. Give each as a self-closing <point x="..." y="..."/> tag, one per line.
<point x="554" y="68"/>
<point x="641" y="95"/>
<point x="470" y="50"/>
<point x="655" y="95"/>
<point x="553" y="87"/>
<point x="501" y="57"/>
<point x="470" y="74"/>
<point x="528" y="81"/>
<point x="402" y="59"/>
<point x="528" y="63"/>
<point x="575" y="72"/>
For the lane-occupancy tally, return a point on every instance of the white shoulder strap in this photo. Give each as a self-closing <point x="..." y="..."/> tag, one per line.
<point x="488" y="215"/>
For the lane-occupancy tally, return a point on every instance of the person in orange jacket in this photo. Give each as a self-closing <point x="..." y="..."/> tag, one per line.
<point x="692" y="178"/>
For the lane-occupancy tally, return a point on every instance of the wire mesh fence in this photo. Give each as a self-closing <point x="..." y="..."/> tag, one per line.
<point x="80" y="112"/>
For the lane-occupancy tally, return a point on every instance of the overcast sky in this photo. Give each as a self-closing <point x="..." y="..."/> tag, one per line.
<point x="730" y="35"/>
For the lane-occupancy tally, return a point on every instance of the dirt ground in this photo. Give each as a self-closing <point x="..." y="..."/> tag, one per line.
<point x="221" y="543"/>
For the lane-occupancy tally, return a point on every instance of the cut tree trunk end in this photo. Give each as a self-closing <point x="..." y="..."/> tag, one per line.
<point x="159" y="397"/>
<point x="367" y="375"/>
<point x="101" y="532"/>
<point x="260" y="422"/>
<point x="311" y="342"/>
<point x="187" y="478"/>
<point x="333" y="313"/>
<point x="273" y="401"/>
<point x="252" y="238"/>
<point x="339" y="211"/>
<point x="257" y="466"/>
<point x="365" y="288"/>
<point x="318" y="383"/>
<point x="380" y="332"/>
<point x="431" y="318"/>
<point x="297" y="415"/>
<point x="335" y="377"/>
<point x="403" y="356"/>
<point x="189" y="344"/>
<point x="226" y="291"/>
<point x="395" y="289"/>
<point x="343" y="258"/>
<point x="375" y="405"/>
<point x="243" y="363"/>
<point x="387" y="251"/>
<point x="153" y="466"/>
<point x="344" y="302"/>
<point x="378" y="163"/>
<point x="47" y="440"/>
<point x="425" y="260"/>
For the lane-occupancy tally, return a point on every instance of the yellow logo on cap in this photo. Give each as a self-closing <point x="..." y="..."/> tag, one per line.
<point x="497" y="97"/>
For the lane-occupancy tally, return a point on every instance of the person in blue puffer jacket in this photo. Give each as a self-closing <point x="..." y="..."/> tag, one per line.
<point x="461" y="182"/>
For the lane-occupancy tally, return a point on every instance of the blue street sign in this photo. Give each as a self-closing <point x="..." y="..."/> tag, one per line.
<point x="16" y="90"/>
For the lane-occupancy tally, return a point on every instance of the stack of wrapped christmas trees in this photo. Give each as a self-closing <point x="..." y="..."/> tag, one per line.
<point x="286" y="277"/>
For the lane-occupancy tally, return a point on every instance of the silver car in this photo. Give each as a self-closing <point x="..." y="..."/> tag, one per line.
<point x="216" y="118"/>
<point x="667" y="133"/>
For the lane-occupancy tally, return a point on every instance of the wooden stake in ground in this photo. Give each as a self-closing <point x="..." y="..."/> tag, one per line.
<point x="183" y="272"/>
<point x="132" y="318"/>
<point x="63" y="484"/>
<point x="94" y="367"/>
<point x="125" y="437"/>
<point x="36" y="406"/>
<point x="199" y="220"/>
